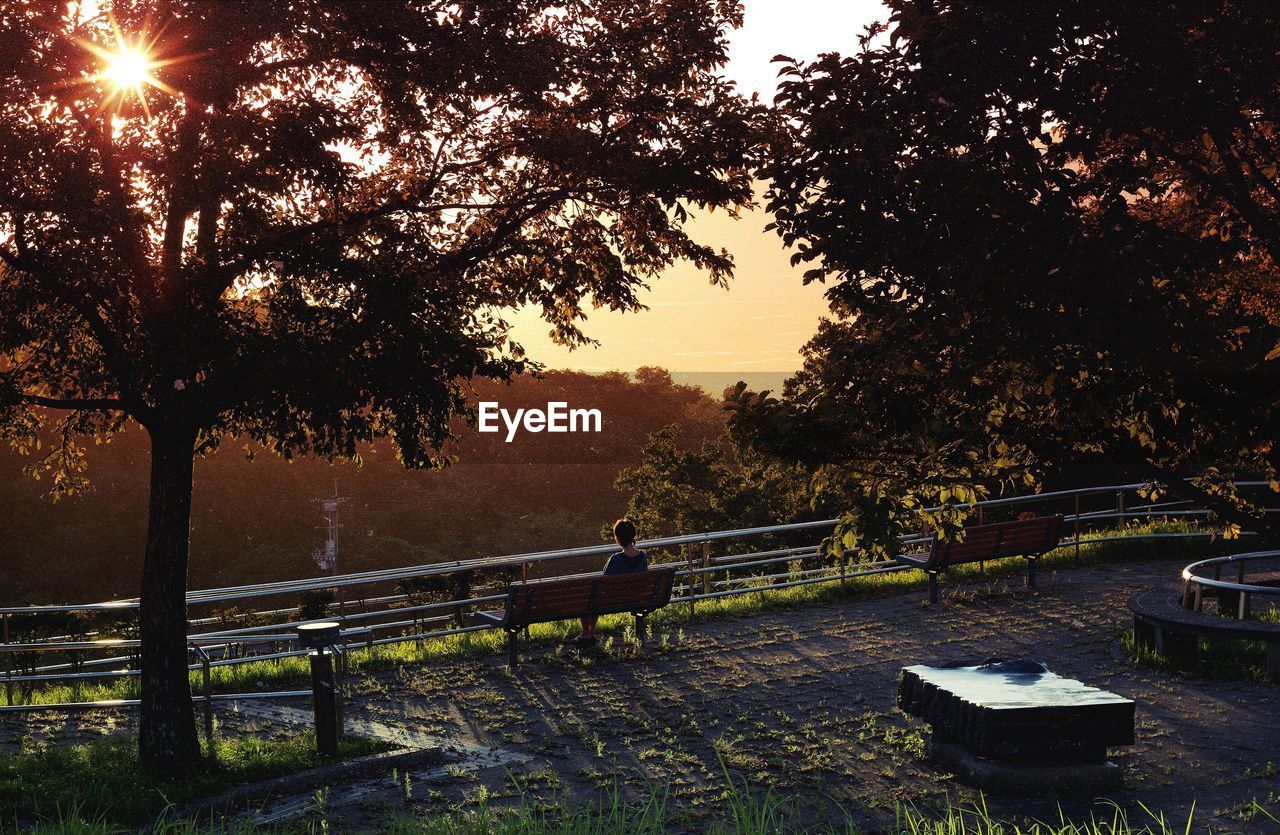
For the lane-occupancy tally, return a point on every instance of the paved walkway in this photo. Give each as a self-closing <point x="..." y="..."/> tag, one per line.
<point x="803" y="700"/>
<point x="799" y="700"/>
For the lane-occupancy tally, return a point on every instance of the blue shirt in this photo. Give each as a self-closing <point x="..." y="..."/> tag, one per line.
<point x="621" y="563"/>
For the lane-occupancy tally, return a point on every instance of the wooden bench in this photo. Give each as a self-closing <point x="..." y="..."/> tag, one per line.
<point x="1028" y="538"/>
<point x="587" y="595"/>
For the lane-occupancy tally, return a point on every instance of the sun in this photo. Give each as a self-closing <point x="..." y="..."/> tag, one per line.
<point x="128" y="70"/>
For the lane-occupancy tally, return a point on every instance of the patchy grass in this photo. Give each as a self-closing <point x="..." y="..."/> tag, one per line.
<point x="1221" y="659"/>
<point x="611" y="815"/>
<point x="101" y="785"/>
<point x="744" y="811"/>
<point x="976" y="820"/>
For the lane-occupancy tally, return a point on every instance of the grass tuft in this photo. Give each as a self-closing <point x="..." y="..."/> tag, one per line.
<point x="745" y="811"/>
<point x="100" y="784"/>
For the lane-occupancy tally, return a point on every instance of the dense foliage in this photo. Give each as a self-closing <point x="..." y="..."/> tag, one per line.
<point x="303" y="222"/>
<point x="679" y="487"/>
<point x="1049" y="233"/>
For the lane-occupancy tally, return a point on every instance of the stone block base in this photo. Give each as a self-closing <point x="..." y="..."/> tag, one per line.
<point x="1024" y="777"/>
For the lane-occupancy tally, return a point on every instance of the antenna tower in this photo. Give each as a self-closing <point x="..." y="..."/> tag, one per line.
<point x="326" y="556"/>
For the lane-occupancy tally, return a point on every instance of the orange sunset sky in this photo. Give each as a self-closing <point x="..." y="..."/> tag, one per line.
<point x="762" y="320"/>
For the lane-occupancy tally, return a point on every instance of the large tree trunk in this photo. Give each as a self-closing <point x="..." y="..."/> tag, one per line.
<point x="167" y="739"/>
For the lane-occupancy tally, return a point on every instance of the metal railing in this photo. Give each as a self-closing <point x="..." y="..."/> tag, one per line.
<point x="387" y="611"/>
<point x="1239" y="591"/>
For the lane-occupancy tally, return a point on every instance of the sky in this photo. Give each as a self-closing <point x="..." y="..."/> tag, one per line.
<point x="766" y="315"/>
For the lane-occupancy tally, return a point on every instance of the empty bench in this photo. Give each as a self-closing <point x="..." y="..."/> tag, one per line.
<point x="1027" y="538"/>
<point x="1163" y="625"/>
<point x="583" y="596"/>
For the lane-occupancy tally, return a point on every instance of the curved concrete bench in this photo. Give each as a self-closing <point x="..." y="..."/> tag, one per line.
<point x="1162" y="624"/>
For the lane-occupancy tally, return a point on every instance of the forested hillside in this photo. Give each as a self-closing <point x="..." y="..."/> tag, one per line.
<point x="256" y="520"/>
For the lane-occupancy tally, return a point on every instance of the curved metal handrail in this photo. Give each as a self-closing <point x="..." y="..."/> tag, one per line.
<point x="1189" y="573"/>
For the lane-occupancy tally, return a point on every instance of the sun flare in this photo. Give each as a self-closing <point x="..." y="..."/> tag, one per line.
<point x="128" y="70"/>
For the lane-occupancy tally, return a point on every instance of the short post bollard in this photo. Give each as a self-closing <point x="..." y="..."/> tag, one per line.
<point x="322" y="639"/>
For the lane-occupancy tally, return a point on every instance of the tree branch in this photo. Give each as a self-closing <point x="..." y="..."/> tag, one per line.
<point x="1244" y="203"/>
<point x="130" y="238"/>
<point x="1249" y="211"/>
<point x="261" y="71"/>
<point x="114" y="357"/>
<point x="102" y="404"/>
<point x="180" y="164"/>
<point x="288" y="236"/>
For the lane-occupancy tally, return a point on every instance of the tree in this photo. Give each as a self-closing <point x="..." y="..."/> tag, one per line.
<point x="301" y="222"/>
<point x="675" y="489"/>
<point x="1050" y="233"/>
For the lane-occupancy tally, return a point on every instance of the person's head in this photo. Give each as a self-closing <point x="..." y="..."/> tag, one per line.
<point x="624" y="530"/>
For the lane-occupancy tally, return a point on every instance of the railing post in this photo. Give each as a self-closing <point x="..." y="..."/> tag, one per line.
<point x="1120" y="506"/>
<point x="339" y="700"/>
<point x="1077" y="541"/>
<point x="982" y="564"/>
<point x="462" y="591"/>
<point x="688" y="580"/>
<point x="8" y="665"/>
<point x="706" y="566"/>
<point x="206" y="673"/>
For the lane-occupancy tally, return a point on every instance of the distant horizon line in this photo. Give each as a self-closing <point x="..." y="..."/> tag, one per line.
<point x="604" y="370"/>
<point x="712" y="382"/>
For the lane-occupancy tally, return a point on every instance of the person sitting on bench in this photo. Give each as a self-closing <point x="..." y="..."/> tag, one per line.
<point x="630" y="559"/>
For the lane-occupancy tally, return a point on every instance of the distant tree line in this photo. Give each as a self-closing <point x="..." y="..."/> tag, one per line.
<point x="256" y="519"/>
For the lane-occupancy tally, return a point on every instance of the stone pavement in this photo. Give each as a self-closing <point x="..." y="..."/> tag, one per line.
<point x="802" y="701"/>
<point x="796" y="700"/>
<point x="461" y="757"/>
